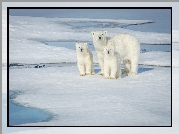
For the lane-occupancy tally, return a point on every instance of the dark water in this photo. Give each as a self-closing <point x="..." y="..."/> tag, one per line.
<point x="20" y="115"/>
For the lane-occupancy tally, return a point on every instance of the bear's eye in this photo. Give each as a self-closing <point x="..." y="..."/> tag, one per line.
<point x="79" y="47"/>
<point x="102" y="34"/>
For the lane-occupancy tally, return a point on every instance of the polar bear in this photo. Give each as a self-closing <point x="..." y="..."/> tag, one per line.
<point x="127" y="46"/>
<point x="84" y="59"/>
<point x="99" y="41"/>
<point x="112" y="65"/>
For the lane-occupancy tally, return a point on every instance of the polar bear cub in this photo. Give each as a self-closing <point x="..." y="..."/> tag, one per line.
<point x="112" y="65"/>
<point x="129" y="49"/>
<point x="84" y="59"/>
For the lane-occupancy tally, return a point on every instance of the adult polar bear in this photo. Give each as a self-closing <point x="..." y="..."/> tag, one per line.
<point x="127" y="46"/>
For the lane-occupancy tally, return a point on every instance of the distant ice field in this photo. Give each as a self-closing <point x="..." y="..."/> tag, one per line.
<point x="29" y="37"/>
<point x="161" y="18"/>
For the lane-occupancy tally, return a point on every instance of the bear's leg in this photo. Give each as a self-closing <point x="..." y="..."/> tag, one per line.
<point x="114" y="70"/>
<point x="81" y="68"/>
<point x="127" y="66"/>
<point x="92" y="69"/>
<point x="88" y="69"/>
<point x="92" y="66"/>
<point x="119" y="70"/>
<point x="106" y="71"/>
<point x="101" y="65"/>
<point x="134" y="67"/>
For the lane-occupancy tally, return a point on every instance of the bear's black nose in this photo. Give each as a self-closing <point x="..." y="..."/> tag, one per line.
<point x="108" y="52"/>
<point x="81" y="50"/>
<point x="99" y="37"/>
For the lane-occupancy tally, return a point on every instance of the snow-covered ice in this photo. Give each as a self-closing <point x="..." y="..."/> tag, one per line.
<point x="29" y="34"/>
<point x="156" y="58"/>
<point x="87" y="101"/>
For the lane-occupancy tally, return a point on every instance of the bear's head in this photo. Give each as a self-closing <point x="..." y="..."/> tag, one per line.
<point x="81" y="48"/>
<point x="99" y="36"/>
<point x="109" y="50"/>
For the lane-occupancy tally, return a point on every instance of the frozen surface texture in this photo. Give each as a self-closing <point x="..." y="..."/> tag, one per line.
<point x="92" y="100"/>
<point x="29" y="34"/>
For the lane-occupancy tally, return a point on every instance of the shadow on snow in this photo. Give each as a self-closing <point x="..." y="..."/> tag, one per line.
<point x="140" y="70"/>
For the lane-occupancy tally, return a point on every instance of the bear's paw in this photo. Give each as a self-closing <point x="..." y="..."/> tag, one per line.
<point x="132" y="73"/>
<point x="112" y="78"/>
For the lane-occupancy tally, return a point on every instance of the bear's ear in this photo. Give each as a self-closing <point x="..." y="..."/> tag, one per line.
<point x="86" y="45"/>
<point x="76" y="44"/>
<point x="92" y="33"/>
<point x="105" y="32"/>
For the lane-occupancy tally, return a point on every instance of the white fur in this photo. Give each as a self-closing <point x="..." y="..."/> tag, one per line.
<point x="99" y="41"/>
<point x="84" y="59"/>
<point x="125" y="45"/>
<point x="112" y="65"/>
<point x="128" y="48"/>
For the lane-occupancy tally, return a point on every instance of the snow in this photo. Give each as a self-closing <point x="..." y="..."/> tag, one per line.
<point x="156" y="58"/>
<point x="34" y="52"/>
<point x="86" y="101"/>
<point x="33" y="27"/>
<point x="52" y="54"/>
